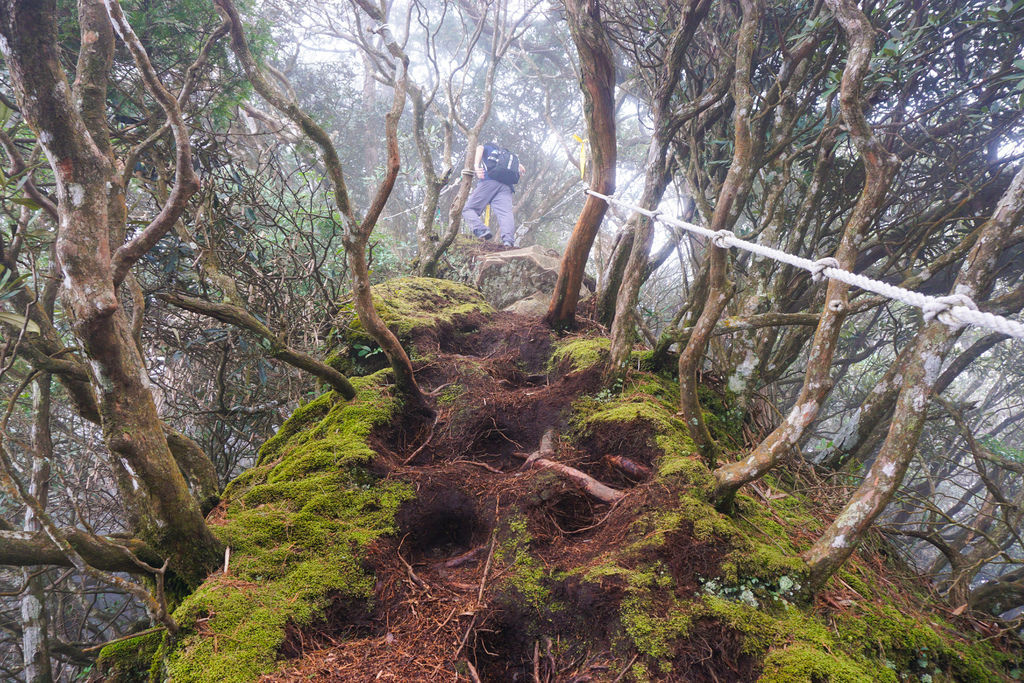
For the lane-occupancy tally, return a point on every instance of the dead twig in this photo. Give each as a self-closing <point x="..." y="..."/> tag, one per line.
<point x="538" y="460"/>
<point x="408" y="567"/>
<point x="483" y="584"/>
<point x="625" y="670"/>
<point x="489" y="468"/>
<point x="472" y="671"/>
<point x="424" y="444"/>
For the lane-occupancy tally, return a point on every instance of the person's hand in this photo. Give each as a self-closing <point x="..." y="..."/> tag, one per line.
<point x="480" y="172"/>
<point x="522" y="169"/>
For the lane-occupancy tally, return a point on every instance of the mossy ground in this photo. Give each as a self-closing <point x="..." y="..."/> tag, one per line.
<point x="658" y="587"/>
<point x="408" y="306"/>
<point x="298" y="525"/>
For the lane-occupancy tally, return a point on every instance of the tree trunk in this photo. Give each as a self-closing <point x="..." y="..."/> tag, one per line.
<point x="611" y="279"/>
<point x="432" y="183"/>
<point x="597" y="68"/>
<point x="160" y="508"/>
<point x="656" y="179"/>
<point x="919" y="380"/>
<point x="241" y="318"/>
<point x="357" y="233"/>
<point x="855" y="441"/>
<point x="879" y="168"/>
<point x="430" y="260"/>
<point x="35" y="646"/>
<point x="730" y="200"/>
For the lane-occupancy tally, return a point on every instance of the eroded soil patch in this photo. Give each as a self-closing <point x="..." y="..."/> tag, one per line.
<point x="451" y="593"/>
<point x="713" y="654"/>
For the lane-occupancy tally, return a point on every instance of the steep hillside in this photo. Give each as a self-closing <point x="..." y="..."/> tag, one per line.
<point x="539" y="527"/>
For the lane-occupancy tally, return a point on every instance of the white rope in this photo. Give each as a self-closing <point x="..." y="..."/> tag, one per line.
<point x="955" y="310"/>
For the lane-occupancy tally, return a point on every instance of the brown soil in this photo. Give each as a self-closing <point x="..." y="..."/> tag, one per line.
<point x="633" y="440"/>
<point x="687" y="558"/>
<point x="443" y="607"/>
<point x="712" y="654"/>
<point x="343" y="619"/>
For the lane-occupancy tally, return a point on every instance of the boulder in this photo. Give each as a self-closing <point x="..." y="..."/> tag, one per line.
<point x="507" y="276"/>
<point x="519" y="280"/>
<point x="535" y="305"/>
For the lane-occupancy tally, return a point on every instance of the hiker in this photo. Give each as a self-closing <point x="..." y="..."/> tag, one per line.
<point x="497" y="171"/>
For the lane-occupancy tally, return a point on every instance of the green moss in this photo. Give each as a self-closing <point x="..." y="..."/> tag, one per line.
<point x="526" y="575"/>
<point x="580" y="354"/>
<point x="909" y="646"/>
<point x="651" y="634"/>
<point x="651" y="400"/>
<point x="799" y="663"/>
<point x="129" y="660"/>
<point x="450" y="395"/>
<point x="297" y="525"/>
<point x="411" y="303"/>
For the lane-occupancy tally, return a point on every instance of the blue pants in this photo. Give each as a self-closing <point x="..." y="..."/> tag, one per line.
<point x="499" y="196"/>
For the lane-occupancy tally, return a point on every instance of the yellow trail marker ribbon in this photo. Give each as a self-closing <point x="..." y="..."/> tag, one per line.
<point x="583" y="154"/>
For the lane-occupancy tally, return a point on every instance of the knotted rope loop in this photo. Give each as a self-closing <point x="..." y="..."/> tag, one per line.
<point x="941" y="308"/>
<point x="819" y="266"/>
<point x="721" y="238"/>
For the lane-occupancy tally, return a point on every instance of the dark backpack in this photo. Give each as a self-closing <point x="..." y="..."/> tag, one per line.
<point x="502" y="165"/>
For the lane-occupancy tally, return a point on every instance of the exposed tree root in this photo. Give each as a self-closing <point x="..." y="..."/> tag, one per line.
<point x="537" y="460"/>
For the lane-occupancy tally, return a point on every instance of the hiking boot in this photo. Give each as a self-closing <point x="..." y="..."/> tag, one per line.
<point x="508" y="243"/>
<point x="486" y="235"/>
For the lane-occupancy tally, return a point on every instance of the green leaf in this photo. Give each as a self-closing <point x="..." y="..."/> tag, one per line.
<point x="19" y="321"/>
<point x="25" y="201"/>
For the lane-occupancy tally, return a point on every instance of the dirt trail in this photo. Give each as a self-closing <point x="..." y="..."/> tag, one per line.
<point x="438" y="607"/>
<point x="500" y="572"/>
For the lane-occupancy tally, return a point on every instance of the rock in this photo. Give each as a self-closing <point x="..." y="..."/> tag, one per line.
<point x="536" y="305"/>
<point x="518" y="276"/>
<point x="518" y="280"/>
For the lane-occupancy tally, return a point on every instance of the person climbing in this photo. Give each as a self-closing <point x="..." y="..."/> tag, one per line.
<point x="497" y="171"/>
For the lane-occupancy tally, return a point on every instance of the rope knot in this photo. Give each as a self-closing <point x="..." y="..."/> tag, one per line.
<point x="655" y="215"/>
<point x="721" y="238"/>
<point x="941" y="309"/>
<point x="819" y="266"/>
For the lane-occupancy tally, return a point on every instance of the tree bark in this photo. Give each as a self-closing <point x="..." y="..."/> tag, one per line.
<point x="597" y="68"/>
<point x="855" y="441"/>
<point x="922" y="372"/>
<point x="31" y="549"/>
<point x="357" y="232"/>
<point x="432" y="183"/>
<point x="241" y="318"/>
<point x="656" y="179"/>
<point x="35" y="646"/>
<point x="730" y="200"/>
<point x="999" y="595"/>
<point x="161" y="509"/>
<point x="430" y="260"/>
<point x="879" y="168"/>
